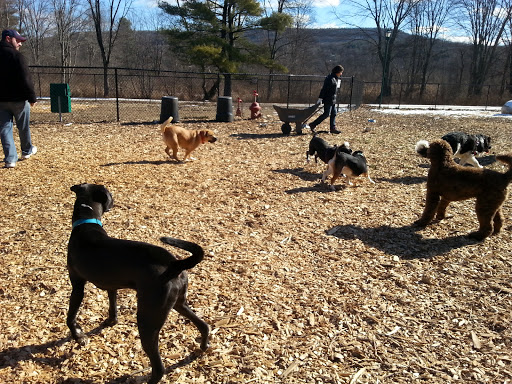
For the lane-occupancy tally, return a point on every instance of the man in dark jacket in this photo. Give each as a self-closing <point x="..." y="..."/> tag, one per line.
<point x="16" y="96"/>
<point x="328" y="98"/>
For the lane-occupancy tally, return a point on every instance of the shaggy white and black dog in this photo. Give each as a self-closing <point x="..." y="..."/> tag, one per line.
<point x="465" y="147"/>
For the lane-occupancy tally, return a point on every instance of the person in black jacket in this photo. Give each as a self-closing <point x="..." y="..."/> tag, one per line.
<point x="16" y="97"/>
<point x="328" y="98"/>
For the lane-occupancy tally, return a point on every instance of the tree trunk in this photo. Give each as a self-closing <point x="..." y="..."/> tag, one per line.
<point x="208" y="94"/>
<point x="510" y="69"/>
<point x="227" y="84"/>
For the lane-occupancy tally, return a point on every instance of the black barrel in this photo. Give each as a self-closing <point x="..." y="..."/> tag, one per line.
<point x="224" y="109"/>
<point x="169" y="108"/>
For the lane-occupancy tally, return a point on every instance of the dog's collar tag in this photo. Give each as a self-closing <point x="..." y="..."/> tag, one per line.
<point x="87" y="221"/>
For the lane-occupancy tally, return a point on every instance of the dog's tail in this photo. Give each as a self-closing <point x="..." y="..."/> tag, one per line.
<point x="421" y="148"/>
<point x="507" y="159"/>
<point x="165" y="124"/>
<point x="179" y="266"/>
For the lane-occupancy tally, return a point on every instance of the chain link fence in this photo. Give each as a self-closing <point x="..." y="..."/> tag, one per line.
<point x="129" y="95"/>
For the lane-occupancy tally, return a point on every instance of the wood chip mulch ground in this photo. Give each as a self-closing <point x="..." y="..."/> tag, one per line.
<point x="300" y="284"/>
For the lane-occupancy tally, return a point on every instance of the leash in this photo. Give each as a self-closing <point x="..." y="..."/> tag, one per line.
<point x="87" y="221"/>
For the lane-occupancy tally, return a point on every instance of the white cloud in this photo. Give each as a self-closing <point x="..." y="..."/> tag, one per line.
<point x="326" y="3"/>
<point x="145" y="3"/>
<point x="327" y="25"/>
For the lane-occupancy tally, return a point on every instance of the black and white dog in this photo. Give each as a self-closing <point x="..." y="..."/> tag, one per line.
<point x="320" y="148"/>
<point x="351" y="165"/>
<point x="465" y="147"/>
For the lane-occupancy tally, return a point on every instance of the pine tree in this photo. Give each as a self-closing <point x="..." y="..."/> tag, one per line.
<point x="214" y="34"/>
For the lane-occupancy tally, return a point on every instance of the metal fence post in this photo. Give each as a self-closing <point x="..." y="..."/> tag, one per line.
<point x="351" y="92"/>
<point x="117" y="94"/>
<point x="437" y="95"/>
<point x="288" y="92"/>
<point x="487" y="98"/>
<point x="400" y="95"/>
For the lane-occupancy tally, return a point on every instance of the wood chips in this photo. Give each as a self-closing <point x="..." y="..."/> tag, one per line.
<point x="300" y="284"/>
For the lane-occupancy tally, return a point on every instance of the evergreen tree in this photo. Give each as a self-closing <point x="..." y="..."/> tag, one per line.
<point x="214" y="34"/>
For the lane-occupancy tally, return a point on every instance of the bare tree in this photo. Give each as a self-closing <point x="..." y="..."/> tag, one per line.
<point x="106" y="17"/>
<point x="389" y="17"/>
<point x="426" y="20"/>
<point x="34" y="22"/>
<point x="507" y="71"/>
<point x="299" y="36"/>
<point x="8" y="13"/>
<point x="69" y="22"/>
<point x="275" y="23"/>
<point x="485" y="22"/>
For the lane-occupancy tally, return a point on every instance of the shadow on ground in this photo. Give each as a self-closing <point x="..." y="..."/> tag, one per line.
<point x="10" y="357"/>
<point x="143" y="162"/>
<point x="403" y="242"/>
<point x="257" y="136"/>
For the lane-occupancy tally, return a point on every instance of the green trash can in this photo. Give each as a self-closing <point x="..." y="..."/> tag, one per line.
<point x="60" y="98"/>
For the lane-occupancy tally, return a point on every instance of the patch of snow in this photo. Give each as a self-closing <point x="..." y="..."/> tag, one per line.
<point x="441" y="110"/>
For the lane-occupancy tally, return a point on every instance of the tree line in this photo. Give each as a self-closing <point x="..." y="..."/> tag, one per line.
<point x="403" y="41"/>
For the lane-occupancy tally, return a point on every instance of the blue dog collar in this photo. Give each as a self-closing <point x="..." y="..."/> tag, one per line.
<point x="87" y="221"/>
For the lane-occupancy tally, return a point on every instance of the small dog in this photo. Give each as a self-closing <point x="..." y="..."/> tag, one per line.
<point x="188" y="139"/>
<point x="351" y="165"/>
<point x="323" y="150"/>
<point x="465" y="147"/>
<point x="158" y="277"/>
<point x="448" y="181"/>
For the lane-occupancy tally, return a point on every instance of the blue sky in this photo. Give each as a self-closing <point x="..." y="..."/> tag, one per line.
<point x="147" y="16"/>
<point x="324" y="15"/>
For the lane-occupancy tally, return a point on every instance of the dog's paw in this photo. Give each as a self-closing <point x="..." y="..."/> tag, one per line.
<point x="110" y="322"/>
<point x="477" y="236"/>
<point x="419" y="224"/>
<point x="205" y="346"/>
<point x="82" y="340"/>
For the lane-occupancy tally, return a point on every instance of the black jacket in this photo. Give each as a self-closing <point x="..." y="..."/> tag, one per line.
<point x="328" y="91"/>
<point x="16" y="82"/>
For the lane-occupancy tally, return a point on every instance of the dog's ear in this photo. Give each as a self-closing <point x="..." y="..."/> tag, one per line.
<point x="103" y="196"/>
<point x="78" y="188"/>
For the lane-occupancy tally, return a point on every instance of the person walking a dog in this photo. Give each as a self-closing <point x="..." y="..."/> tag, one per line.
<point x="327" y="97"/>
<point x="17" y="95"/>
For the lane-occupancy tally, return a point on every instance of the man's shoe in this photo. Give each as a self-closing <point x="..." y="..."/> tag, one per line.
<point x="334" y="131"/>
<point x="32" y="152"/>
<point x="9" y="165"/>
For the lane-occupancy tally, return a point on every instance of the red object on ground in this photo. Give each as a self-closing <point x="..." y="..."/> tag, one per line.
<point x="255" y="107"/>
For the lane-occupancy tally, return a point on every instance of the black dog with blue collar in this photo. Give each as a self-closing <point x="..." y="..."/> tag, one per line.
<point x="158" y="276"/>
<point x="87" y="221"/>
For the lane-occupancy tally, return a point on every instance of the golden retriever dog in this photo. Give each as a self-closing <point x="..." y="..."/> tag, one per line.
<point x="448" y="181"/>
<point x="189" y="139"/>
